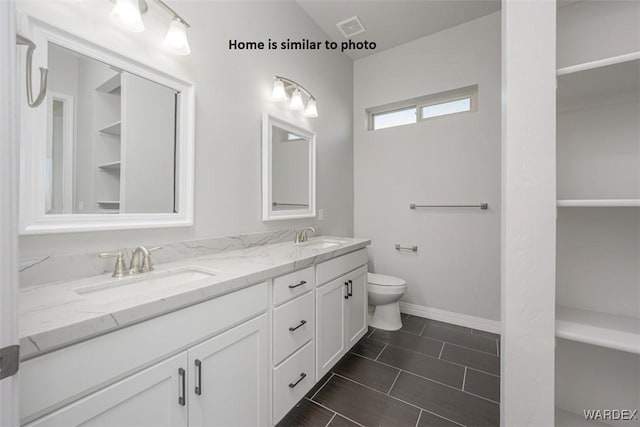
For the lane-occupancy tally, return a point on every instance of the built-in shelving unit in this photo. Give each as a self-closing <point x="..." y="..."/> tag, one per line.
<point x="108" y="148"/>
<point x="598" y="166"/>
<point x="599" y="203"/>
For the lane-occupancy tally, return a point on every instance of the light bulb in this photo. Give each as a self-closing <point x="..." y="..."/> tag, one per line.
<point x="296" y="101"/>
<point x="279" y="93"/>
<point x="176" y="39"/>
<point x="126" y="14"/>
<point x="312" y="109"/>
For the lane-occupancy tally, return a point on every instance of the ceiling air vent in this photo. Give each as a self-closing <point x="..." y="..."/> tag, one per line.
<point x="351" y="27"/>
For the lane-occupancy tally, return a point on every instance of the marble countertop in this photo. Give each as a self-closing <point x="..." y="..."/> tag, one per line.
<point x="55" y="315"/>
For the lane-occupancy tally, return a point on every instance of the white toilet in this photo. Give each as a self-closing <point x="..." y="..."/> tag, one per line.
<point x="384" y="293"/>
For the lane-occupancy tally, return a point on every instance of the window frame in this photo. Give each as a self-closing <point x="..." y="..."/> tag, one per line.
<point x="467" y="92"/>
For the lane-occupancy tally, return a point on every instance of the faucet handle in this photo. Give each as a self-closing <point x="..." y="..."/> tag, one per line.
<point x="147" y="265"/>
<point x="119" y="269"/>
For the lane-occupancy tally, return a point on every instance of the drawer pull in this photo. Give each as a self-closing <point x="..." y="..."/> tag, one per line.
<point x="302" y="376"/>
<point x="183" y="391"/>
<point x="198" y="389"/>
<point x="302" y="323"/>
<point x="350" y="288"/>
<point x="347" y="285"/>
<point x="302" y="282"/>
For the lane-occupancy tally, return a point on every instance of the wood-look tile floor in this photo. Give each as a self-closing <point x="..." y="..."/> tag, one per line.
<point x="429" y="373"/>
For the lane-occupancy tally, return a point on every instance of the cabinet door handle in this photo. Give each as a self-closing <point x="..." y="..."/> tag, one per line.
<point x="302" y="323"/>
<point x="302" y="376"/>
<point x="183" y="386"/>
<point x="302" y="282"/>
<point x="347" y="285"/>
<point x="198" y="389"/>
<point x="350" y="292"/>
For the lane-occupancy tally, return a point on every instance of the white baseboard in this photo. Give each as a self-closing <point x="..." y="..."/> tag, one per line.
<point x="451" y="317"/>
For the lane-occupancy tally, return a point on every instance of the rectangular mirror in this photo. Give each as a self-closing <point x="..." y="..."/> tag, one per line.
<point x="288" y="170"/>
<point x="112" y="145"/>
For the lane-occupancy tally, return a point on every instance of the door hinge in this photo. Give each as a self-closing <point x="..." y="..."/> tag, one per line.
<point x="9" y="361"/>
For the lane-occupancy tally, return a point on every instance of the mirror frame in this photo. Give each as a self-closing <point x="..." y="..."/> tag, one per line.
<point x="268" y="214"/>
<point x="33" y="138"/>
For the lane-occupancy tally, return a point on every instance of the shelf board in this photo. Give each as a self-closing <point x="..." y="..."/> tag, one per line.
<point x="610" y="82"/>
<point x="598" y="64"/>
<point x="599" y="203"/>
<point x="569" y="419"/>
<point x="112" y="165"/>
<point x="112" y="129"/>
<point x="112" y="85"/>
<point x="109" y="204"/>
<point x="601" y="329"/>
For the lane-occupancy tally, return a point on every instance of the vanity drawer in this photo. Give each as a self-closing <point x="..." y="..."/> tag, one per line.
<point x="292" y="380"/>
<point x="289" y="286"/>
<point x="329" y="270"/>
<point x="298" y="315"/>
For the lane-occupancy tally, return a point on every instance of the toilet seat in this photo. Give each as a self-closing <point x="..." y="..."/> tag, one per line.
<point x="387" y="290"/>
<point x="384" y="280"/>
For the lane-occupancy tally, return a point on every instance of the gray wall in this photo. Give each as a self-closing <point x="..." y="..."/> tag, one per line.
<point x="232" y="89"/>
<point x="448" y="160"/>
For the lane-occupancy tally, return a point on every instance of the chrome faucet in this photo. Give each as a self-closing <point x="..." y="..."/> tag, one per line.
<point x="301" y="235"/>
<point x="140" y="261"/>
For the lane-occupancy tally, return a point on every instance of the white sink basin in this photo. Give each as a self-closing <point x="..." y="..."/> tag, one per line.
<point x="323" y="243"/>
<point x="144" y="283"/>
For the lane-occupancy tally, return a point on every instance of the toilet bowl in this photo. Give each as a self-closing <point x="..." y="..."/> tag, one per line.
<point x="384" y="294"/>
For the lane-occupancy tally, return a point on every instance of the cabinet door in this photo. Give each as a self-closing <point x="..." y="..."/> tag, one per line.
<point x="229" y="377"/>
<point x="148" y="398"/>
<point x="330" y="324"/>
<point x="356" y="306"/>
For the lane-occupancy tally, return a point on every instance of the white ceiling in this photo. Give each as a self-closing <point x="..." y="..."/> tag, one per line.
<point x="390" y="23"/>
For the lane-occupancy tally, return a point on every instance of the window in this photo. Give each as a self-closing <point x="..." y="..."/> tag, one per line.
<point x="444" y="108"/>
<point x="394" y="118"/>
<point x="426" y="107"/>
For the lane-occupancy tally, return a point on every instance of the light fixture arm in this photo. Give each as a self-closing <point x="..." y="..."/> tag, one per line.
<point x="293" y="83"/>
<point x="144" y="8"/>
<point x="172" y="12"/>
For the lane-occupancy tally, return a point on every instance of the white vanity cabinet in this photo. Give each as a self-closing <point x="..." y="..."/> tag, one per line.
<point x="244" y="358"/>
<point x="341" y="308"/>
<point x="221" y="382"/>
<point x="147" y="373"/>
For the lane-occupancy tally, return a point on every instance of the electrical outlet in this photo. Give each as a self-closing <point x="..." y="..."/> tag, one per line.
<point x="80" y="205"/>
<point x="320" y="214"/>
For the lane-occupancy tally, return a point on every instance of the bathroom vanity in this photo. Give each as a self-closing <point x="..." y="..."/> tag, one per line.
<point x="235" y="338"/>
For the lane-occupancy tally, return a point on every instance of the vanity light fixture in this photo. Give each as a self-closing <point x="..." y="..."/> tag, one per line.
<point x="176" y="39"/>
<point x="279" y="93"/>
<point x="312" y="110"/>
<point x="283" y="86"/>
<point x="296" y="103"/>
<point x="127" y="15"/>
